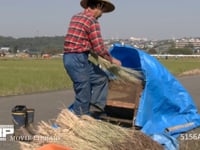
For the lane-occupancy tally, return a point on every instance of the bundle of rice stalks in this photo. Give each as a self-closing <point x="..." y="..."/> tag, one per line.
<point x="86" y="133"/>
<point x="122" y="73"/>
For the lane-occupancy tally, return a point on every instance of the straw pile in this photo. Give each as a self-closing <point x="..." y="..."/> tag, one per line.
<point x="190" y="72"/>
<point x="86" y="133"/>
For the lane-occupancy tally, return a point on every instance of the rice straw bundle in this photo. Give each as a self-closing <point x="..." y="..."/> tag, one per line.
<point x="122" y="73"/>
<point x="86" y="133"/>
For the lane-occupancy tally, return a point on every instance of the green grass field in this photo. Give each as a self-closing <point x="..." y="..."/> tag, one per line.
<point x="22" y="76"/>
<point x="178" y="66"/>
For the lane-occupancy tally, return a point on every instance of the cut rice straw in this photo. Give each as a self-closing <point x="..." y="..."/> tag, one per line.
<point x="86" y="133"/>
<point x="122" y="73"/>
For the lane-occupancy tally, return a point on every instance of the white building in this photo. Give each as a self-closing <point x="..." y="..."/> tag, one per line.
<point x="4" y="51"/>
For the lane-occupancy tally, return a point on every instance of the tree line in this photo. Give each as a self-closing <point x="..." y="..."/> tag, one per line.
<point x="54" y="45"/>
<point x="50" y="45"/>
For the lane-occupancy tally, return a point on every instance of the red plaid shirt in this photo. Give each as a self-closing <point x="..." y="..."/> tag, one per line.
<point x="84" y="35"/>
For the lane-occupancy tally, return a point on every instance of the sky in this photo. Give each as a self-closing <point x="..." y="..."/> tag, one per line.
<point x="151" y="19"/>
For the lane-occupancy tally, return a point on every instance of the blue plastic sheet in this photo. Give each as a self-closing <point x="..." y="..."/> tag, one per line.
<point x="169" y="142"/>
<point x="164" y="102"/>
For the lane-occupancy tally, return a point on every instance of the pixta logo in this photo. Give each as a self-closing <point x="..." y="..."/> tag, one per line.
<point x="5" y="130"/>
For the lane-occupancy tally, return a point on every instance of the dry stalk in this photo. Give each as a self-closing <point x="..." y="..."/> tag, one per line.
<point x="86" y="133"/>
<point x="123" y="74"/>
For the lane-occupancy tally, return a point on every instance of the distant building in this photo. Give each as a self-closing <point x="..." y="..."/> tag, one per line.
<point x="187" y="42"/>
<point x="33" y="52"/>
<point x="138" y="39"/>
<point x="4" y="51"/>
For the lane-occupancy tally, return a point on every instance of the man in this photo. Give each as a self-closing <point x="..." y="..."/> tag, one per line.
<point x="83" y="37"/>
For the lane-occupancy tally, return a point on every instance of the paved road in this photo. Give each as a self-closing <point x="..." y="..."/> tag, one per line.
<point x="48" y="105"/>
<point x="192" y="85"/>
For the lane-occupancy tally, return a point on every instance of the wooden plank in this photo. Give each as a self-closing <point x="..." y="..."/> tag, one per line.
<point x="113" y="119"/>
<point x="120" y="104"/>
<point x="125" y="96"/>
<point x="137" y="99"/>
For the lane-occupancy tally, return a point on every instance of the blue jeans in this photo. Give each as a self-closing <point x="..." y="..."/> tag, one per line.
<point x="89" y="81"/>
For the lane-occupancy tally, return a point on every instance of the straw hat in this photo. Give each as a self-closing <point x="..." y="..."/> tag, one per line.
<point x="107" y="8"/>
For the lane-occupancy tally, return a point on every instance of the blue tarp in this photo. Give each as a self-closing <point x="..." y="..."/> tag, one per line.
<point x="164" y="102"/>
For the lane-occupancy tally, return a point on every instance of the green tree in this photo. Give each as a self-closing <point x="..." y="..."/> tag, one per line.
<point x="186" y="51"/>
<point x="15" y="49"/>
<point x="152" y="51"/>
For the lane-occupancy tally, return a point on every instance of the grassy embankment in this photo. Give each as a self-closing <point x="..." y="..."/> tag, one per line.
<point x="22" y="76"/>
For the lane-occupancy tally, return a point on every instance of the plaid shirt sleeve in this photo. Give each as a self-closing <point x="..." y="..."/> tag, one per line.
<point x="97" y="42"/>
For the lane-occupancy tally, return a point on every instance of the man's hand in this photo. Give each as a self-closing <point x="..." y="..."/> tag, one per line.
<point x="116" y="61"/>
